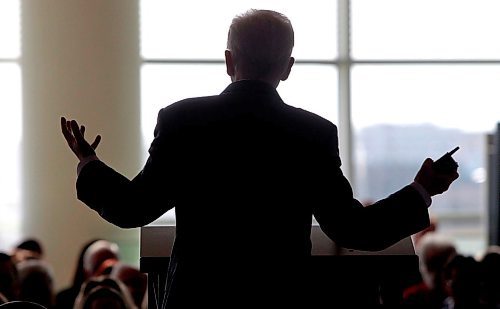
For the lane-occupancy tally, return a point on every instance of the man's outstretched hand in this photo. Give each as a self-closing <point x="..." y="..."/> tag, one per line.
<point x="433" y="181"/>
<point x="75" y="136"/>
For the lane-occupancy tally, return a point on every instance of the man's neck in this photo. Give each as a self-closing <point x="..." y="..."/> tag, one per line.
<point x="271" y="81"/>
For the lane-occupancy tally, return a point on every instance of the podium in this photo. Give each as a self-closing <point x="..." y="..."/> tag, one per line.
<point x="338" y="275"/>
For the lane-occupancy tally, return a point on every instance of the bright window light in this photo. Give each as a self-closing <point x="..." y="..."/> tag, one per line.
<point x="10" y="33"/>
<point x="10" y="163"/>
<point x="193" y="29"/>
<point x="425" y="29"/>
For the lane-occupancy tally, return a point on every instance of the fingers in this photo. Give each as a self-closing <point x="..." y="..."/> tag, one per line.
<point x="96" y="142"/>
<point x="432" y="181"/>
<point x="76" y="132"/>
<point x="66" y="130"/>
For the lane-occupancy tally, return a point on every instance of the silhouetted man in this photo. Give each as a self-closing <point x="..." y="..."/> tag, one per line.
<point x="246" y="173"/>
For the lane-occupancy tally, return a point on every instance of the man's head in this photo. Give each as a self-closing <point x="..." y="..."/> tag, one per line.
<point x="259" y="47"/>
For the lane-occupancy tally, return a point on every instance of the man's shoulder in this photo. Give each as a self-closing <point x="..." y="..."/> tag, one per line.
<point x="309" y="118"/>
<point x="189" y="104"/>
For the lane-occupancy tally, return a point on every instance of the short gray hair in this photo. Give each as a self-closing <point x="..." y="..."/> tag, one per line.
<point x="261" y="43"/>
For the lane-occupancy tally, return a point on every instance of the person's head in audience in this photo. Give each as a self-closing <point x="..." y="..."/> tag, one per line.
<point x="461" y="276"/>
<point x="100" y="257"/>
<point x="9" y="285"/>
<point x="104" y="292"/>
<point x="36" y="282"/>
<point x="66" y="298"/>
<point x="133" y="279"/>
<point x="490" y="279"/>
<point x="80" y="275"/>
<point x="27" y="249"/>
<point x="434" y="252"/>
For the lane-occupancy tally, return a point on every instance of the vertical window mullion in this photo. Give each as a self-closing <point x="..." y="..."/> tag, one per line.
<point x="344" y="125"/>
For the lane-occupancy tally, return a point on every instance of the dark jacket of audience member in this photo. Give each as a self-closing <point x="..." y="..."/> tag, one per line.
<point x="490" y="280"/>
<point x="462" y="283"/>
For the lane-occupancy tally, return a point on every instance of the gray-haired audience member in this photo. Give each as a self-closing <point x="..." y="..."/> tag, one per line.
<point x="100" y="257"/>
<point x="434" y="252"/>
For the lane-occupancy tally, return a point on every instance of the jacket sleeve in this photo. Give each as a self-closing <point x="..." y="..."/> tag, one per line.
<point x="131" y="203"/>
<point x="370" y="228"/>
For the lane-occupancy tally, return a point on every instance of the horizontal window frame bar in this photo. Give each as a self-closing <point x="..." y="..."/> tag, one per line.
<point x="429" y="61"/>
<point x="337" y="62"/>
<point x="221" y="61"/>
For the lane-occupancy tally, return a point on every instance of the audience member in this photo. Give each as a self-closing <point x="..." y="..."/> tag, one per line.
<point x="65" y="299"/>
<point x="490" y="279"/>
<point x="100" y="257"/>
<point x="434" y="252"/>
<point x="135" y="281"/>
<point x="28" y="249"/>
<point x="462" y="283"/>
<point x="450" y="280"/>
<point x="104" y="292"/>
<point x="36" y="283"/>
<point x="9" y="284"/>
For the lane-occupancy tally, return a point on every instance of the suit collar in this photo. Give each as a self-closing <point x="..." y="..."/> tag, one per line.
<point x="251" y="86"/>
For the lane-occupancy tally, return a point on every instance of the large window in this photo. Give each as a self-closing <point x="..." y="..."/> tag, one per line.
<point x="424" y="79"/>
<point x="10" y="122"/>
<point x="403" y="80"/>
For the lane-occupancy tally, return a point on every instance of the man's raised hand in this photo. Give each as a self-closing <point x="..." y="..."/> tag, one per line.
<point x="75" y="137"/>
<point x="433" y="181"/>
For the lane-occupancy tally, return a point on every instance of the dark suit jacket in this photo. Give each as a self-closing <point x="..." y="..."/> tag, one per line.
<point x="246" y="173"/>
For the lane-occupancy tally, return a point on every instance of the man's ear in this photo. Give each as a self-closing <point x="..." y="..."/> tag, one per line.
<point x="229" y="63"/>
<point x="285" y="74"/>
